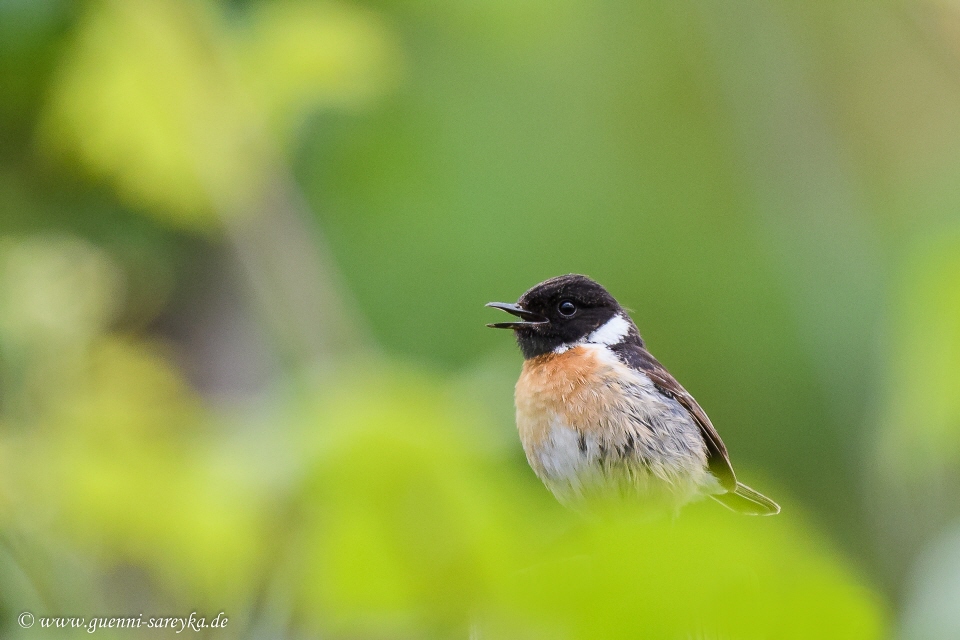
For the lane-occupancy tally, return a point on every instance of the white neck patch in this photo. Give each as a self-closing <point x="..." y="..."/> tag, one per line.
<point x="612" y="332"/>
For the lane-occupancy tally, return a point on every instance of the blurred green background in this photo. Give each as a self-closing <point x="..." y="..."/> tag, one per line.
<point x="244" y="248"/>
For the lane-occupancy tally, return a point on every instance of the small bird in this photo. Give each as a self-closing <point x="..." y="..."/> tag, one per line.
<point x="600" y="418"/>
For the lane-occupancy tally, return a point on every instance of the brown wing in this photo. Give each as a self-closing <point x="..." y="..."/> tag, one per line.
<point x="719" y="462"/>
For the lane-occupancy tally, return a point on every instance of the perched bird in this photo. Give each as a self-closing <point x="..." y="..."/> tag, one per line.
<point x="600" y="418"/>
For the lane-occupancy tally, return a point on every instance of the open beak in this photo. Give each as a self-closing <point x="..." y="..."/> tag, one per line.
<point x="530" y="319"/>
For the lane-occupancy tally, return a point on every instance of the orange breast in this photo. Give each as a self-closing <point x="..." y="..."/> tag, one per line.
<point x="569" y="386"/>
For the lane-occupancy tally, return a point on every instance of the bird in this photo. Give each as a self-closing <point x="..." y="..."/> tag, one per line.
<point x="601" y="419"/>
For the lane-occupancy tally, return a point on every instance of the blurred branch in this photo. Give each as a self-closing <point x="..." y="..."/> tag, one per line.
<point x="293" y="277"/>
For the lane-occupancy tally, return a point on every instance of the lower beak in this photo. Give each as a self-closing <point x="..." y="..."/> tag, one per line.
<point x="530" y="319"/>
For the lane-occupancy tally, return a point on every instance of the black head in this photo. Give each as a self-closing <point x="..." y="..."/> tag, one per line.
<point x="561" y="311"/>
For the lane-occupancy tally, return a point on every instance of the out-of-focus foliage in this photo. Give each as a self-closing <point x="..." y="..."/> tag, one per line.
<point x="174" y="106"/>
<point x="921" y="435"/>
<point x="273" y="394"/>
<point x="432" y="540"/>
<point x="930" y="611"/>
<point x="916" y="466"/>
<point x="56" y="293"/>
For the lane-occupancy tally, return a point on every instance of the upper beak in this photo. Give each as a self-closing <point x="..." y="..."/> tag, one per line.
<point x="530" y="318"/>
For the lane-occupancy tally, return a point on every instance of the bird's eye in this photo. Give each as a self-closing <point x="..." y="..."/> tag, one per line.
<point x="567" y="308"/>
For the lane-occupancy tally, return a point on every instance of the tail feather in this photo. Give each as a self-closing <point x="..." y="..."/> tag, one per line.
<point x="745" y="500"/>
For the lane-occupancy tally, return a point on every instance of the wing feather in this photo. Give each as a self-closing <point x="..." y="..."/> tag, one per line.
<point x="636" y="356"/>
